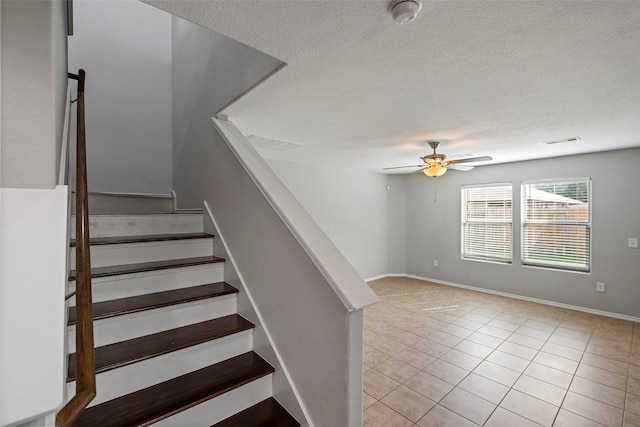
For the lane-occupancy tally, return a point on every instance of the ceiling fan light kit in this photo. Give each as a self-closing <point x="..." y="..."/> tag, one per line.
<point x="436" y="164"/>
<point x="435" y="171"/>
<point x="404" y="11"/>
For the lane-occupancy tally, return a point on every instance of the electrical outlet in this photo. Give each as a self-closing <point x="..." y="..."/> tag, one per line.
<point x="435" y="262"/>
<point x="633" y="242"/>
<point x="600" y="286"/>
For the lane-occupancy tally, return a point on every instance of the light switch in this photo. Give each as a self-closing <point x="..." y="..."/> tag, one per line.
<point x="633" y="242"/>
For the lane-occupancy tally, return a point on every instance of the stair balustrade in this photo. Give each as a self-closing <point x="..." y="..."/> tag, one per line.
<point x="85" y="374"/>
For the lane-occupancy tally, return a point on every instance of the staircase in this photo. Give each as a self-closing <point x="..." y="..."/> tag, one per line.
<point x="171" y="349"/>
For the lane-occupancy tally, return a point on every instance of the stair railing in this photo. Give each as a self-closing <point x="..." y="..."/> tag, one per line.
<point x="85" y="351"/>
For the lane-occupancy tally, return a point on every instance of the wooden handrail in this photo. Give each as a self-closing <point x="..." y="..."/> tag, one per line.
<point x="85" y="351"/>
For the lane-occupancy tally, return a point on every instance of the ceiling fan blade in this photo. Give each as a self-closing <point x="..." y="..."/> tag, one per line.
<point x="472" y="159"/>
<point x="400" y="167"/>
<point x="463" y="168"/>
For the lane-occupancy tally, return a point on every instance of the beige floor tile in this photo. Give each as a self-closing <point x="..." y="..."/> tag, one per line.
<point x="556" y="362"/>
<point x="377" y="385"/>
<point x="474" y="349"/>
<point x="608" y="348"/>
<point x="605" y="363"/>
<point x="444" y="338"/>
<point x="519" y="350"/>
<point x="529" y="407"/>
<point x="497" y="373"/>
<point x="503" y="418"/>
<point x="440" y="416"/>
<point x="633" y="386"/>
<point x="574" y="343"/>
<point x="495" y="332"/>
<point x="479" y="318"/>
<point x="446" y="371"/>
<point x="575" y="334"/>
<point x="634" y="371"/>
<point x="386" y="345"/>
<point x="397" y="370"/>
<point x="602" y="376"/>
<point x="429" y="386"/>
<point x="592" y="409"/>
<point x="431" y="348"/>
<point x="533" y="333"/>
<point x="373" y="357"/>
<point x="468" y="405"/>
<point x="367" y="400"/>
<point x="508" y="361"/>
<point x="380" y="415"/>
<point x="484" y="388"/>
<point x="603" y="393"/>
<point x="631" y="420"/>
<point x="562" y="351"/>
<point x="633" y="404"/>
<point x="526" y="341"/>
<point x="408" y="403"/>
<point x="543" y="326"/>
<point x="460" y="359"/>
<point x="548" y="374"/>
<point x="569" y="419"/>
<point x="456" y="331"/>
<point x="468" y="324"/>
<point x="504" y="324"/>
<point x="540" y="389"/>
<point x="415" y="358"/>
<point x="485" y="340"/>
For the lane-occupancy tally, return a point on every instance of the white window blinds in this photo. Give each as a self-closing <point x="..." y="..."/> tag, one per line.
<point x="556" y="223"/>
<point x="487" y="226"/>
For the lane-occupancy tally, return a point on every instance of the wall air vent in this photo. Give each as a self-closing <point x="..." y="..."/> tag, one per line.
<point x="562" y="141"/>
<point x="271" y="144"/>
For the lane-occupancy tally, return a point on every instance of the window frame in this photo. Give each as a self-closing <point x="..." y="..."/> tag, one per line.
<point x="469" y="255"/>
<point x="588" y="224"/>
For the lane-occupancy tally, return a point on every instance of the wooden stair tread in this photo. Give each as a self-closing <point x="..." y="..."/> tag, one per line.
<point x="98" y="241"/>
<point x="118" y="307"/>
<point x="268" y="413"/>
<point x="148" y="266"/>
<point x="134" y="350"/>
<point x="154" y="403"/>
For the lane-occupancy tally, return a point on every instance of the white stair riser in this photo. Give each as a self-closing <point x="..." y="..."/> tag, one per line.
<point x="128" y="285"/>
<point x="223" y="406"/>
<point x="131" y="253"/>
<point x="121" y="328"/>
<point x="130" y="378"/>
<point x="139" y="225"/>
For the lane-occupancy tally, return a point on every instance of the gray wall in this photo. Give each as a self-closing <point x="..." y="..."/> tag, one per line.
<point x="433" y="232"/>
<point x="397" y="224"/>
<point x="125" y="48"/>
<point x="34" y="82"/>
<point x="209" y="71"/>
<point x="351" y="207"/>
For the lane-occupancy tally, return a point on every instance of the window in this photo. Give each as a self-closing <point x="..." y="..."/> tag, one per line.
<point x="556" y="223"/>
<point x="487" y="226"/>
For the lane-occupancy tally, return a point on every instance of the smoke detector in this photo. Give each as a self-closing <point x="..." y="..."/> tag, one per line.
<point x="403" y="11"/>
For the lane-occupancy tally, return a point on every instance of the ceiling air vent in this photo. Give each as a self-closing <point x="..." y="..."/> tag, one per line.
<point x="271" y="144"/>
<point x="562" y="141"/>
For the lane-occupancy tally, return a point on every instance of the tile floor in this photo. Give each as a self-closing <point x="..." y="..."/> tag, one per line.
<point x="436" y="355"/>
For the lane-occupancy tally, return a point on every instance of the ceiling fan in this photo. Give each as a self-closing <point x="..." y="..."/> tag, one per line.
<point x="436" y="164"/>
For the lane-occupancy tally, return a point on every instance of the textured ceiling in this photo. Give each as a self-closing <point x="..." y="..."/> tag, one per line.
<point x="483" y="77"/>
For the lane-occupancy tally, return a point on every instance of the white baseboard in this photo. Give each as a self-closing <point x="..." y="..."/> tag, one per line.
<point x="516" y="296"/>
<point x="381" y="276"/>
<point x="118" y="194"/>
